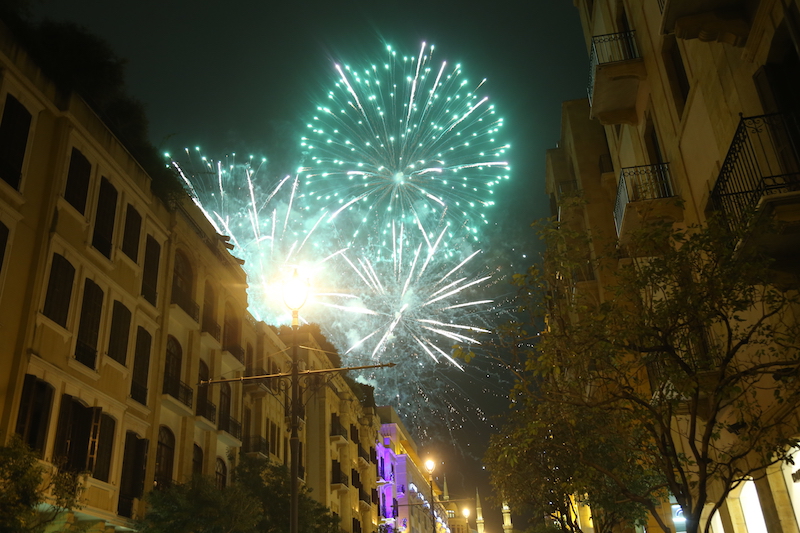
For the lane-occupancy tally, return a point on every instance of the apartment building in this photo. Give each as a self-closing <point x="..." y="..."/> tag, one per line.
<point x="692" y="109"/>
<point x="409" y="500"/>
<point x="114" y="306"/>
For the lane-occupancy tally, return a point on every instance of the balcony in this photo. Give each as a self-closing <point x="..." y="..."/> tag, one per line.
<point x="233" y="355"/>
<point x="363" y="457"/>
<point x="256" y="388"/>
<point x="230" y="431"/>
<point x="184" y="301"/>
<point x="210" y="326"/>
<point x="761" y="175"/>
<point x="724" y="21"/>
<point x="364" y="500"/>
<point x="206" y="415"/>
<point x="257" y="446"/>
<point x="338" y="433"/>
<point x="615" y="71"/>
<point x="644" y="193"/>
<point x="339" y="480"/>
<point x="177" y="396"/>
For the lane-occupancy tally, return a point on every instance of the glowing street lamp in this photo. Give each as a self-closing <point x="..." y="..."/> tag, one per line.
<point x="465" y="512"/>
<point x="430" y="466"/>
<point x="295" y="294"/>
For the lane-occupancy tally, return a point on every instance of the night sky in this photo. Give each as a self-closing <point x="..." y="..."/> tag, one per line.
<point x="244" y="76"/>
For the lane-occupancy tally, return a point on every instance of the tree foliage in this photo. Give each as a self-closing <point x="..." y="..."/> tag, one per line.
<point x="257" y="502"/>
<point x="31" y="494"/>
<point x="679" y="377"/>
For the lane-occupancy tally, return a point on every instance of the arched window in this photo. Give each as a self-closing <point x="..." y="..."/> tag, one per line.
<point x="231" y="335"/>
<point x="204" y="409"/>
<point x="172" y="368"/>
<point x="165" y="455"/>
<point x="182" y="276"/>
<point x="197" y="460"/>
<point x="224" y="407"/>
<point x="221" y="473"/>
<point x="210" y="324"/>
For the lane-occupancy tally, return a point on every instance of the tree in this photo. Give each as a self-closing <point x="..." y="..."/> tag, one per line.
<point x="679" y="378"/>
<point x="257" y="501"/>
<point x="31" y="494"/>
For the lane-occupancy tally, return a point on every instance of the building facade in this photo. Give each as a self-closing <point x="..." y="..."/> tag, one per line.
<point x="113" y="307"/>
<point x="696" y="102"/>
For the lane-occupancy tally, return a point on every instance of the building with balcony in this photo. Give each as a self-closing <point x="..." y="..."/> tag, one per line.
<point x="693" y="111"/>
<point x="115" y="305"/>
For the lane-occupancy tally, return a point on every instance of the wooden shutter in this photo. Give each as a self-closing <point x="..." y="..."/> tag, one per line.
<point x="152" y="254"/>
<point x="141" y="366"/>
<point x="89" y="327"/>
<point x="61" y="447"/>
<point x="105" y="447"/>
<point x="120" y="332"/>
<point x="59" y="290"/>
<point x="78" y="175"/>
<point x="14" y="130"/>
<point x="130" y="236"/>
<point x="103" y="236"/>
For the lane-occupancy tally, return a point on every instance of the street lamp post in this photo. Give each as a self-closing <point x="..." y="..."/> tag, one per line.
<point x="295" y="293"/>
<point x="465" y="512"/>
<point x="429" y="466"/>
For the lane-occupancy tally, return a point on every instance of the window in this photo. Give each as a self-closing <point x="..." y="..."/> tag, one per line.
<point x="104" y="219"/>
<point x="3" y="243"/>
<point x="221" y="473"/>
<point x="89" y="327"/>
<point x="134" y="463"/>
<point x="203" y="408"/>
<point x="676" y="72"/>
<point x="78" y="181"/>
<point x="14" y="130"/>
<point x="182" y="278"/>
<point x="130" y="236"/>
<point x="152" y="254"/>
<point x="84" y="438"/>
<point x="197" y="460"/>
<point x="120" y="332"/>
<point x="230" y="335"/>
<point x="165" y="455"/>
<point x="59" y="290"/>
<point x="34" y="412"/>
<point x="248" y="359"/>
<point x="224" y="407"/>
<point x="141" y="366"/>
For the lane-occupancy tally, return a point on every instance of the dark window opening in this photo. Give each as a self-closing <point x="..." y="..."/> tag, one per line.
<point x="120" y="332"/>
<point x="165" y="455"/>
<point x="14" y="130"/>
<point x="3" y="243"/>
<point x="221" y="474"/>
<point x="134" y="463"/>
<point x="197" y="460"/>
<point x="78" y="176"/>
<point x="152" y="254"/>
<point x="89" y="326"/>
<point x="141" y="366"/>
<point x="103" y="236"/>
<point x="130" y="236"/>
<point x="59" y="290"/>
<point x="34" y="412"/>
<point x="676" y="72"/>
<point x="84" y="438"/>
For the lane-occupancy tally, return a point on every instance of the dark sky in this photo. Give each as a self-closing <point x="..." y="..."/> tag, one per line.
<point x="244" y="75"/>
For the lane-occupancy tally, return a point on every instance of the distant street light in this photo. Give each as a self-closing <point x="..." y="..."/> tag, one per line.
<point x="295" y="294"/>
<point x="465" y="512"/>
<point x="430" y="466"/>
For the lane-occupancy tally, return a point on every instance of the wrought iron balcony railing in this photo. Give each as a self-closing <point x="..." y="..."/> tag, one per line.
<point x="178" y="389"/>
<point x="255" y="445"/>
<point x="184" y="300"/>
<point x="339" y="477"/>
<point x="646" y="182"/>
<point x="337" y="429"/>
<point x="230" y="425"/>
<point x="610" y="48"/>
<point x="207" y="410"/>
<point x="763" y="160"/>
<point x="236" y="351"/>
<point x="362" y="454"/>
<point x="211" y="327"/>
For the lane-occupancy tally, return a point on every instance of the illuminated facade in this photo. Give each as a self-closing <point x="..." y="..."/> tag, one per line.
<point x="112" y="309"/>
<point x="696" y="101"/>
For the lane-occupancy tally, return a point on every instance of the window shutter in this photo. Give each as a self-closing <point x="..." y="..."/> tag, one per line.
<point x="14" y="130"/>
<point x="61" y="448"/>
<point x="59" y="290"/>
<point x="103" y="236"/>
<point x="120" y="332"/>
<point x="78" y="175"/>
<point x="130" y="237"/>
<point x="152" y="255"/>
<point x="141" y="366"/>
<point x="89" y="327"/>
<point x="105" y="446"/>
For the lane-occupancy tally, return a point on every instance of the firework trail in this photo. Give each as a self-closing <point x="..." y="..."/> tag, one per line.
<point x="403" y="141"/>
